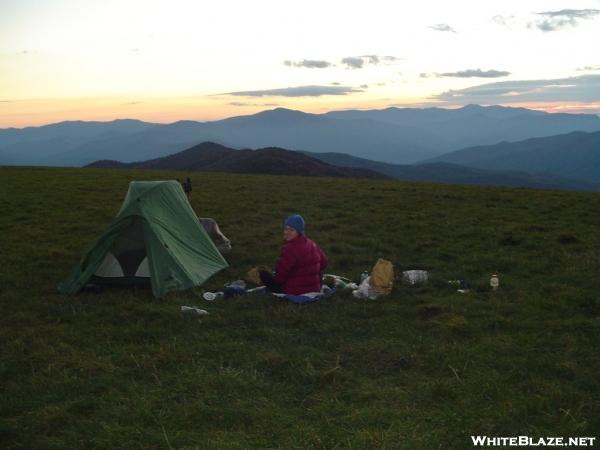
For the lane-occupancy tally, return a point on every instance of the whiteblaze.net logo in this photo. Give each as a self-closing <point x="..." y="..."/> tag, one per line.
<point x="526" y="441"/>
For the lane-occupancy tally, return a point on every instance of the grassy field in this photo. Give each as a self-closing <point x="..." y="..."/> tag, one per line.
<point x="424" y="368"/>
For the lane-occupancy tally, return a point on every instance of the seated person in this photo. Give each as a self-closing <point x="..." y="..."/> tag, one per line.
<point x="301" y="262"/>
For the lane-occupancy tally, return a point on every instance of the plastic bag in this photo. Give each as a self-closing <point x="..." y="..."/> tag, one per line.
<point x="338" y="282"/>
<point x="415" y="277"/>
<point x="365" y="290"/>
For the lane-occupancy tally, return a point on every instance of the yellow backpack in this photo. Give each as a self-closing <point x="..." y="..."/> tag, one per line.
<point x="253" y="275"/>
<point x="382" y="277"/>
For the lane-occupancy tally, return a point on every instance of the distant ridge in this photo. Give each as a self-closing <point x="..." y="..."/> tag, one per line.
<point x="211" y="157"/>
<point x="574" y="155"/>
<point x="443" y="172"/>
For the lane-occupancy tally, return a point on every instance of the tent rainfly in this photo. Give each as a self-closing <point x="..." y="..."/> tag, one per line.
<point x="156" y="236"/>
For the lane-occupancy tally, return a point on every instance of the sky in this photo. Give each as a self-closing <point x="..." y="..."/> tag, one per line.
<point x="163" y="61"/>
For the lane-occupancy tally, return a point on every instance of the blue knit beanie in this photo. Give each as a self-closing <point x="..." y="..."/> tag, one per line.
<point x="296" y="222"/>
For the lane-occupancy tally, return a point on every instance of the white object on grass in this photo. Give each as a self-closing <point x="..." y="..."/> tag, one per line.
<point x="365" y="291"/>
<point x="193" y="311"/>
<point x="415" y="276"/>
<point x="212" y="296"/>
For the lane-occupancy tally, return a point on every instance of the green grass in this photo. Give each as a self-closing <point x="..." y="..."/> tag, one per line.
<point x="423" y="368"/>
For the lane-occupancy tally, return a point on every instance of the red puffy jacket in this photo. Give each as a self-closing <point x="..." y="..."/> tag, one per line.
<point x="299" y="266"/>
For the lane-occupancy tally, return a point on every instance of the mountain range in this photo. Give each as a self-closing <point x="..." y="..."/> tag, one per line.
<point x="392" y="135"/>
<point x="213" y="157"/>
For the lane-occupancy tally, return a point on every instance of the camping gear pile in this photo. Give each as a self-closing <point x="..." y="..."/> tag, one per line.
<point x="378" y="283"/>
<point x="374" y="285"/>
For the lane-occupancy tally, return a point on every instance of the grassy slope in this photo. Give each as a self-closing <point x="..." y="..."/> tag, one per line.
<point x="424" y="368"/>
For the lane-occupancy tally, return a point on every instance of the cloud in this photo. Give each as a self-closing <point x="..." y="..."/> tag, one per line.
<point x="358" y="62"/>
<point x="556" y="20"/>
<point x="308" y="63"/>
<point x="478" y="73"/>
<point x="588" y="68"/>
<point x="469" y="73"/>
<point x="251" y="104"/>
<point x="443" y="27"/>
<point x="584" y="88"/>
<point x="503" y="20"/>
<point x="353" y="62"/>
<point x="298" y="91"/>
<point x="378" y="59"/>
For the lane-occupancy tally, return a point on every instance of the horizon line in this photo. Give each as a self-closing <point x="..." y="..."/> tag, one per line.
<point x="553" y="110"/>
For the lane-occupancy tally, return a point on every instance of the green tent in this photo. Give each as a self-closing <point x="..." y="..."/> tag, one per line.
<point x="156" y="236"/>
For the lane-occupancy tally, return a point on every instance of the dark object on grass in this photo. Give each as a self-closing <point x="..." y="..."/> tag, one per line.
<point x="268" y="280"/>
<point x="187" y="187"/>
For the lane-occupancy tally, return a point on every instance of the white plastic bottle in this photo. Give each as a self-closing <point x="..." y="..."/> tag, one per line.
<point x="494" y="282"/>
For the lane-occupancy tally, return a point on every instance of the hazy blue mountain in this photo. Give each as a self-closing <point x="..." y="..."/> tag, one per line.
<point x="297" y="130"/>
<point x="152" y="142"/>
<point x="46" y="144"/>
<point x="73" y="129"/>
<point x="391" y="135"/>
<point x="573" y="155"/>
<point x="479" y="125"/>
<point x="42" y="152"/>
<point x="441" y="172"/>
<point x="428" y="116"/>
<point x="276" y="128"/>
<point x="6" y="159"/>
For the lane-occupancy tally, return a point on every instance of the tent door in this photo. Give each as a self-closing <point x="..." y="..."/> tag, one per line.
<point x="127" y="257"/>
